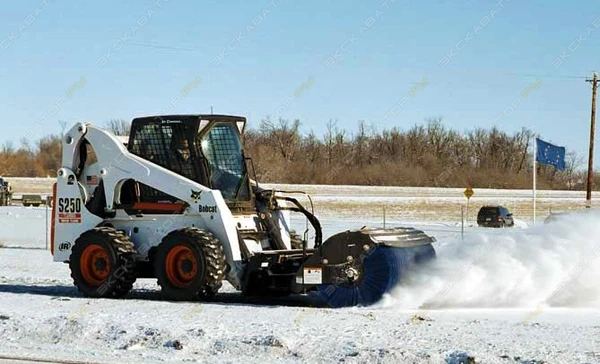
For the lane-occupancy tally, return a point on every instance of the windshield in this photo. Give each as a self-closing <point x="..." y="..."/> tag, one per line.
<point x="222" y="149"/>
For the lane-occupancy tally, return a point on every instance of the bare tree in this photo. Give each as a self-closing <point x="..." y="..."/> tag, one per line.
<point x="25" y="145"/>
<point x="424" y="155"/>
<point x="284" y="135"/>
<point x="118" y="126"/>
<point x="49" y="153"/>
<point x="8" y="147"/>
<point x="329" y="140"/>
<point x="572" y="163"/>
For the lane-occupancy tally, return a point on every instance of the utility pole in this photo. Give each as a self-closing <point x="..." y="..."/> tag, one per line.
<point x="590" y="181"/>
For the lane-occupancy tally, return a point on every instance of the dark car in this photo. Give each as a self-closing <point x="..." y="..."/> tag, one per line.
<point x="495" y="216"/>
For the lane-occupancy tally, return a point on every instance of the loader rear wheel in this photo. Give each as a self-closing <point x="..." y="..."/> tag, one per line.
<point x="102" y="263"/>
<point x="190" y="264"/>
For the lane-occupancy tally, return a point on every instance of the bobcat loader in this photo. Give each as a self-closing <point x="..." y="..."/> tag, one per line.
<point x="175" y="202"/>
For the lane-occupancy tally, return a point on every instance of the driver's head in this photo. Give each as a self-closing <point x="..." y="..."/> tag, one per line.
<point x="183" y="144"/>
<point x="183" y="149"/>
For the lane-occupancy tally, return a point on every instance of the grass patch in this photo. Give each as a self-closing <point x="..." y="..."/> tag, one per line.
<point x="438" y="210"/>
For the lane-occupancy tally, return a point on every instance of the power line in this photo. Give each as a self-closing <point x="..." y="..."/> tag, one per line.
<point x="494" y="77"/>
<point x="158" y="46"/>
<point x="474" y="72"/>
<point x="544" y="76"/>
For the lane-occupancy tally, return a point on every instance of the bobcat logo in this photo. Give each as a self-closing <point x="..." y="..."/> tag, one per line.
<point x="195" y="195"/>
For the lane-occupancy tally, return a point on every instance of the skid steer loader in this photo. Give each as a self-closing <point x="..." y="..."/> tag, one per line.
<point x="175" y="202"/>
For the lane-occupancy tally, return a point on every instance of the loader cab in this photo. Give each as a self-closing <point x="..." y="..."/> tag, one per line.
<point x="204" y="148"/>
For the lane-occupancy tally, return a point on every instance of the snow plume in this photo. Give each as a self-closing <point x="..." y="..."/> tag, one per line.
<point x="550" y="265"/>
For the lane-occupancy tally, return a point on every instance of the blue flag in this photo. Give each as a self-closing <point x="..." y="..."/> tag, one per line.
<point x="550" y="154"/>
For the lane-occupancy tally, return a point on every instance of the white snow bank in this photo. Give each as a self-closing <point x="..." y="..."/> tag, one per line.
<point x="24" y="226"/>
<point x="549" y="265"/>
<point x="520" y="224"/>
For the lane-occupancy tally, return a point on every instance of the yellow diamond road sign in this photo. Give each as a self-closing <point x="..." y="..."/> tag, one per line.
<point x="469" y="192"/>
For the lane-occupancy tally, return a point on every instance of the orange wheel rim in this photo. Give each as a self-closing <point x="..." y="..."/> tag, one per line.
<point x="181" y="266"/>
<point x="95" y="265"/>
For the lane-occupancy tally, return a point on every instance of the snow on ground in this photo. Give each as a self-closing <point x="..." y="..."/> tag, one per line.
<point x="44" y="185"/>
<point x="407" y="203"/>
<point x="42" y="316"/>
<point x="24" y="226"/>
<point x="22" y="185"/>
<point x="431" y="203"/>
<point x="520" y="295"/>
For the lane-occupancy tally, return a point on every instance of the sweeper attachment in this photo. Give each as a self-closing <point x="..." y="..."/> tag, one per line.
<point x="175" y="202"/>
<point x="361" y="266"/>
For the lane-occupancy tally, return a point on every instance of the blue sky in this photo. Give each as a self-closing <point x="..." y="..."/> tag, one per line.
<point x="390" y="63"/>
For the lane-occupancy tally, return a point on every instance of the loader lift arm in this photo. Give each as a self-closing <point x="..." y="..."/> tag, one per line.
<point x="270" y="197"/>
<point x="118" y="165"/>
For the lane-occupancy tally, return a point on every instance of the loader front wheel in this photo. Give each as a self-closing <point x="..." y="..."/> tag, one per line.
<point x="189" y="264"/>
<point x="102" y="263"/>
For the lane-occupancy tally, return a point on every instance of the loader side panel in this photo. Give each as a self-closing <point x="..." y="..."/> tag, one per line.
<point x="147" y="231"/>
<point x="71" y="218"/>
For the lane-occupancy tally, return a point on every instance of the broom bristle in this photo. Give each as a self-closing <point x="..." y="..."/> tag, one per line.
<point x="382" y="270"/>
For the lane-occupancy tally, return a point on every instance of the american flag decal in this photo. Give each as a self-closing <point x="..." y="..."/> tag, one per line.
<point x="91" y="180"/>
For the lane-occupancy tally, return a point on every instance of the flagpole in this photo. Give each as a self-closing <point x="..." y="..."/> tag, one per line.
<point x="534" y="175"/>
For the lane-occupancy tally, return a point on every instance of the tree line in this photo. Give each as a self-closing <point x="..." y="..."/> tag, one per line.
<point x="427" y="155"/>
<point x="42" y="158"/>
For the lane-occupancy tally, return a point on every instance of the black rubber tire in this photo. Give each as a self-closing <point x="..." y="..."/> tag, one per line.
<point x="209" y="255"/>
<point x="121" y="252"/>
<point x="36" y="205"/>
<point x="25" y="204"/>
<point x="295" y="240"/>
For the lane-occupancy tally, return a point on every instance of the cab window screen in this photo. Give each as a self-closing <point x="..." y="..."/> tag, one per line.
<point x="223" y="151"/>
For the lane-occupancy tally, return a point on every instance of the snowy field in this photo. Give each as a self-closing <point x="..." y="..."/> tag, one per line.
<point x="525" y="295"/>
<point x="404" y="203"/>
